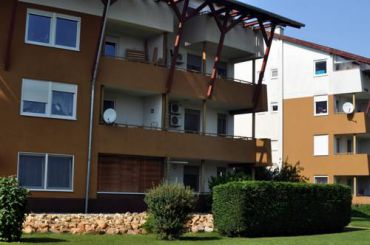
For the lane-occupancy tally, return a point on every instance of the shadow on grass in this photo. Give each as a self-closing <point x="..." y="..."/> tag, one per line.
<point x="194" y="238"/>
<point x="359" y="214"/>
<point x="41" y="240"/>
<point x="352" y="229"/>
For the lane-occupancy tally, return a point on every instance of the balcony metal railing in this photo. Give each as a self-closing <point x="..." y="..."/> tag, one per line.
<point x="122" y="125"/>
<point x="231" y="79"/>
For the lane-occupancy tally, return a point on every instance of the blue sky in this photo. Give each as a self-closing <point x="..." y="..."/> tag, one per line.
<point x="341" y="24"/>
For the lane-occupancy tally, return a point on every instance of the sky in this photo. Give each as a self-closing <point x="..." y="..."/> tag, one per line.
<point x="340" y="24"/>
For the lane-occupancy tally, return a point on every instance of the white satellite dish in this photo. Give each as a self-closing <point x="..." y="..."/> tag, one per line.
<point x="110" y="116"/>
<point x="348" y="108"/>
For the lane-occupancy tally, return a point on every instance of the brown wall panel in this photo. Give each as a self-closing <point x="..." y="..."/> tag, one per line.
<point x="300" y="126"/>
<point x="33" y="134"/>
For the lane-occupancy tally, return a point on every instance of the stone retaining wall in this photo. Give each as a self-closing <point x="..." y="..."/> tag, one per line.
<point x="128" y="223"/>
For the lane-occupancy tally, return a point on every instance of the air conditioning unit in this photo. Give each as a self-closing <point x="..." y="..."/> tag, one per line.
<point x="175" y="121"/>
<point x="174" y="108"/>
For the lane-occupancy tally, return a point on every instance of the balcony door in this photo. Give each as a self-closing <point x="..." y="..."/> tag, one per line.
<point x="192" y="121"/>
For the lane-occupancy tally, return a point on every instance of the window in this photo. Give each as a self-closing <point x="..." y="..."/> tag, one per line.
<point x="321" y="145"/>
<point x="48" y="99"/>
<point x="108" y="104"/>
<point x="349" y="145"/>
<point x="110" y="49"/>
<point x="192" y="121"/>
<point x="191" y="177"/>
<point x="222" y="69"/>
<point x="274" y="106"/>
<point x="321" y="179"/>
<point x="321" y="105"/>
<point x="45" y="171"/>
<point x="53" y="30"/>
<point x="128" y="173"/>
<point x="274" y="73"/>
<point x="194" y="63"/>
<point x="320" y="68"/>
<point x="221" y="171"/>
<point x="221" y="124"/>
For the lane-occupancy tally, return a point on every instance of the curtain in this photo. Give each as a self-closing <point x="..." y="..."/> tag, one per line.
<point x="62" y="103"/>
<point x="59" y="172"/>
<point x="31" y="171"/>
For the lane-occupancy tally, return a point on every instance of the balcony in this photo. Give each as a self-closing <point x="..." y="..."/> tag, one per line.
<point x="240" y="44"/>
<point x="356" y="122"/>
<point x="149" y="141"/>
<point x="150" y="78"/>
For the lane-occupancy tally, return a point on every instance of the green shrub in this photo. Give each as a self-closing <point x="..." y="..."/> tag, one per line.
<point x="287" y="173"/>
<point x="169" y="205"/>
<point x="253" y="208"/>
<point x="226" y="178"/>
<point x="13" y="201"/>
<point x="361" y="211"/>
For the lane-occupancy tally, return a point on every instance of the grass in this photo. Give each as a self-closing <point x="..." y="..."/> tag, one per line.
<point x="357" y="233"/>
<point x="350" y="236"/>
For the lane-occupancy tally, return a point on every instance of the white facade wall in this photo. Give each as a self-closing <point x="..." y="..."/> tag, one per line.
<point x="144" y="12"/>
<point x="296" y="79"/>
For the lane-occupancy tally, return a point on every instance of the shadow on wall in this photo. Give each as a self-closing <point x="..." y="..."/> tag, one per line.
<point x="6" y="93"/>
<point x="263" y="152"/>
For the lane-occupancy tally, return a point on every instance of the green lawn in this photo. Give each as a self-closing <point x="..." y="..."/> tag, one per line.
<point x="352" y="235"/>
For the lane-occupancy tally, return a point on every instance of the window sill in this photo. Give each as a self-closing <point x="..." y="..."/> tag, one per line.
<point x="49" y="190"/>
<point x="76" y="49"/>
<point x="321" y="115"/>
<point x="48" y="116"/>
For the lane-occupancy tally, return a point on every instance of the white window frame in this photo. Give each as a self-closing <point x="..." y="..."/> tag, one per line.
<point x="46" y="155"/>
<point x="272" y="104"/>
<point x="314" y="68"/>
<point x="321" y="98"/>
<point x="53" y="22"/>
<point x="321" y="176"/>
<point x="272" y="72"/>
<point x="327" y="146"/>
<point x="47" y="113"/>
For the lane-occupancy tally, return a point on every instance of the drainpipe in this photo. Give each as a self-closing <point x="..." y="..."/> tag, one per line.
<point x="92" y="98"/>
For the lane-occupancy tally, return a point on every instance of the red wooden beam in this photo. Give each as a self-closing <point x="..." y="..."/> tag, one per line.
<point x="10" y="36"/>
<point x="268" y="40"/>
<point x="180" y="32"/>
<point x="223" y="29"/>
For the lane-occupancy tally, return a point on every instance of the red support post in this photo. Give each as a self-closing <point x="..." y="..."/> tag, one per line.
<point x="10" y="36"/>
<point x="215" y="64"/>
<point x="180" y="32"/>
<point x="268" y="40"/>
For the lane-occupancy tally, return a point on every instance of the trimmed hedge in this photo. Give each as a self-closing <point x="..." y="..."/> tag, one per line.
<point x="253" y="208"/>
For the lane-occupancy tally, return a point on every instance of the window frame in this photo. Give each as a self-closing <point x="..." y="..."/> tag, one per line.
<point x="272" y="73"/>
<point x="272" y="104"/>
<point x="321" y="176"/>
<point x="327" y="147"/>
<point x="45" y="174"/>
<point x="314" y="67"/>
<point x="48" y="109"/>
<point x="319" y="98"/>
<point x="53" y="28"/>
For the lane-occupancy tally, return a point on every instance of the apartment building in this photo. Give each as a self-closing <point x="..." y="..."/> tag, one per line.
<point x="318" y="113"/>
<point x="102" y="100"/>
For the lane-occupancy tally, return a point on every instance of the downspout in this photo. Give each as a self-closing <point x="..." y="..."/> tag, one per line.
<point x="92" y="98"/>
<point x="282" y="103"/>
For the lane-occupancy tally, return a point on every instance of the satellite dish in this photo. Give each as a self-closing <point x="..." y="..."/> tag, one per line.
<point x="348" y="108"/>
<point x="110" y="116"/>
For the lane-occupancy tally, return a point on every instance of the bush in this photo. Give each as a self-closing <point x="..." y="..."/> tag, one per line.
<point x="361" y="211"/>
<point x="169" y="205"/>
<point x="13" y="201"/>
<point x="287" y="173"/>
<point x="253" y="208"/>
<point x="226" y="178"/>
